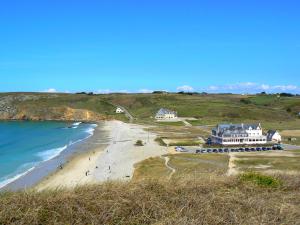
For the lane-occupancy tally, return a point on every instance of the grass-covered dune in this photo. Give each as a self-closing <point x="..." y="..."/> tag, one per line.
<point x="251" y="199"/>
<point x="281" y="111"/>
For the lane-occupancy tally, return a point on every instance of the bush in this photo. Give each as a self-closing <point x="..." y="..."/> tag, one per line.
<point x="139" y="143"/>
<point x="245" y="101"/>
<point x="185" y="143"/>
<point x="260" y="179"/>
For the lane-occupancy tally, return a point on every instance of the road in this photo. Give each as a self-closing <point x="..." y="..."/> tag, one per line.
<point x="290" y="147"/>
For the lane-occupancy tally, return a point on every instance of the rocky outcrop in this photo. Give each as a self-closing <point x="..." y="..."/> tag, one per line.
<point x="12" y="109"/>
<point x="59" y="113"/>
<point x="53" y="113"/>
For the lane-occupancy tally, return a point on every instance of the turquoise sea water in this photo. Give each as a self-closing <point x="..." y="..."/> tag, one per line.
<point x="24" y="145"/>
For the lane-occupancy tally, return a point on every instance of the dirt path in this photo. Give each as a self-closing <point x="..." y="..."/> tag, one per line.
<point x="232" y="170"/>
<point x="127" y="114"/>
<point x="167" y="159"/>
<point x="186" y="123"/>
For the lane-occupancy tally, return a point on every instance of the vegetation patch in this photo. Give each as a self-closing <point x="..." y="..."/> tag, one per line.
<point x="175" y="123"/>
<point x="261" y="180"/>
<point x="281" y="163"/>
<point x="152" y="168"/>
<point x="160" y="141"/>
<point x="139" y="143"/>
<point x="185" y="143"/>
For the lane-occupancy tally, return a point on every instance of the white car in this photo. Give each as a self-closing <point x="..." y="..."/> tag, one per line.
<point x="177" y="148"/>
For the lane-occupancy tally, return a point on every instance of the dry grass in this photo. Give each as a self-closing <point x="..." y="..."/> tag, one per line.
<point x="152" y="168"/>
<point x="294" y="133"/>
<point x="187" y="167"/>
<point x="223" y="201"/>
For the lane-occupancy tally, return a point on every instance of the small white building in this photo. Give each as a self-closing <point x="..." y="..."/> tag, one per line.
<point x="119" y="110"/>
<point x="166" y="114"/>
<point x="273" y="136"/>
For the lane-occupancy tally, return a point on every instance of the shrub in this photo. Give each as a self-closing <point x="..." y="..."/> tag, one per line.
<point x="245" y="101"/>
<point x="139" y="143"/>
<point x="260" y="179"/>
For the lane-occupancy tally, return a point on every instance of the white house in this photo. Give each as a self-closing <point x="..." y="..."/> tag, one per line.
<point x="119" y="110"/>
<point x="238" y="134"/>
<point x="166" y="114"/>
<point x="273" y="136"/>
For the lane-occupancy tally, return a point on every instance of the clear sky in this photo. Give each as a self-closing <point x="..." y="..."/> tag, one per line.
<point x="126" y="45"/>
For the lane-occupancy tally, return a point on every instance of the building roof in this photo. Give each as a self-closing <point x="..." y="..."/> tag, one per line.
<point x="164" y="111"/>
<point x="271" y="133"/>
<point x="227" y="130"/>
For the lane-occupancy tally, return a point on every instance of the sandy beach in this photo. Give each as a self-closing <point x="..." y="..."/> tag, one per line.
<point x="115" y="161"/>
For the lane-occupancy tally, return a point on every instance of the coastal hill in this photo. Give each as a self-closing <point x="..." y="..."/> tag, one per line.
<point x="169" y="188"/>
<point x="206" y="108"/>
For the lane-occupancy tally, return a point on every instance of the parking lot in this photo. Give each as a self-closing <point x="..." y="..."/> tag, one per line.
<point x="227" y="150"/>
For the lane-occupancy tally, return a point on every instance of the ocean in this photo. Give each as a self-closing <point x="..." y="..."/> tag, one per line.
<point x="26" y="145"/>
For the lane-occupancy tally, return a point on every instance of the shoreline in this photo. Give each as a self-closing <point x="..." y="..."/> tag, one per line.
<point x="45" y="168"/>
<point x="76" y="171"/>
<point x="112" y="161"/>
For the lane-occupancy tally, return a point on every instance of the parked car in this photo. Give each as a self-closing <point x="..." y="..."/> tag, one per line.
<point x="258" y="149"/>
<point x="208" y="150"/>
<point x="268" y="148"/>
<point x="226" y="150"/>
<point x="279" y="147"/>
<point x="221" y="150"/>
<point x="252" y="149"/>
<point x="247" y="149"/>
<point x="215" y="150"/>
<point x="198" y="151"/>
<point x="264" y="148"/>
<point x="233" y="150"/>
<point x="178" y="148"/>
<point x="203" y="151"/>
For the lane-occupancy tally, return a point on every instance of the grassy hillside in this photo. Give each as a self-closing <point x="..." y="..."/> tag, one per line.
<point x="209" y="109"/>
<point x="253" y="199"/>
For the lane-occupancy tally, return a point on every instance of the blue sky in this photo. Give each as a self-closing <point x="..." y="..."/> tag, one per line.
<point x="104" y="46"/>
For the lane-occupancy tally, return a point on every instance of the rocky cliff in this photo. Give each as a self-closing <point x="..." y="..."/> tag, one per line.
<point x="13" y="108"/>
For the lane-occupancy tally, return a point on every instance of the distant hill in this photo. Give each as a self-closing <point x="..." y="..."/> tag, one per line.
<point x="206" y="107"/>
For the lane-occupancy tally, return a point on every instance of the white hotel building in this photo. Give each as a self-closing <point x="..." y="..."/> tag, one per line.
<point x="238" y="134"/>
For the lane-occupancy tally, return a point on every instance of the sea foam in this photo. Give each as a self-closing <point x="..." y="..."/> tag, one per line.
<point x="12" y="179"/>
<point x="50" y="154"/>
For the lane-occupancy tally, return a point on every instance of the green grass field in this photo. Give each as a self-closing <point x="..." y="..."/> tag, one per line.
<point x="273" y="112"/>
